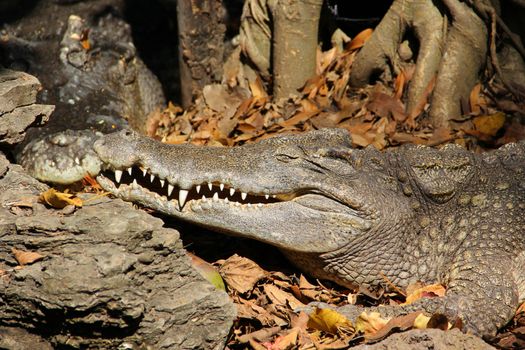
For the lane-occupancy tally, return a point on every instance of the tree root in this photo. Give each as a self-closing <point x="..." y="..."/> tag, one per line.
<point x="452" y="53"/>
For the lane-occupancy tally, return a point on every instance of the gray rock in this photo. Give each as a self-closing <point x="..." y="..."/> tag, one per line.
<point x="111" y="276"/>
<point x="18" y="109"/>
<point x="424" y="339"/>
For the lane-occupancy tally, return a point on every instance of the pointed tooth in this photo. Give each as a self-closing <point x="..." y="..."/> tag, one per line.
<point x="129" y="170"/>
<point x="215" y="196"/>
<point x="232" y="191"/>
<point x="210" y="185"/>
<point x="144" y="171"/>
<point x="226" y="200"/>
<point x="266" y="196"/>
<point x="183" y="194"/>
<point x="151" y="177"/>
<point x="170" y="190"/>
<point x="118" y="175"/>
<point x="204" y="199"/>
<point x="259" y="205"/>
<point x="134" y="184"/>
<point x="162" y="182"/>
<point x="243" y="195"/>
<point x="221" y="186"/>
<point x="274" y="196"/>
<point x="249" y="205"/>
<point x="198" y="188"/>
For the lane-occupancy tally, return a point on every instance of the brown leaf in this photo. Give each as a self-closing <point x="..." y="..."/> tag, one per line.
<point x="264" y="334"/>
<point x="25" y="257"/>
<point x="489" y="124"/>
<point x="401" y="323"/>
<point x="386" y="106"/>
<point x="280" y="297"/>
<point x="241" y="273"/>
<point x="430" y="291"/>
<point x="474" y="99"/>
<point x="359" y="40"/>
<point x="59" y="200"/>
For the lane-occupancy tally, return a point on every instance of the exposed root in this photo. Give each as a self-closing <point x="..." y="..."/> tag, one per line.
<point x="454" y="52"/>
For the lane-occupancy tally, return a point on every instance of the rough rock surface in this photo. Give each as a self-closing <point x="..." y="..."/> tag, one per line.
<point x="429" y="339"/>
<point x="111" y="275"/>
<point x="18" y="107"/>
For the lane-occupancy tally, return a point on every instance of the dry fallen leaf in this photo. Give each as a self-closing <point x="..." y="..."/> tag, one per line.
<point x="360" y="39"/>
<point x="400" y="323"/>
<point x="430" y="291"/>
<point x="24" y="257"/>
<point x="370" y="323"/>
<point x="489" y="124"/>
<point x="59" y="200"/>
<point x="280" y="297"/>
<point x="241" y="273"/>
<point x="207" y="270"/>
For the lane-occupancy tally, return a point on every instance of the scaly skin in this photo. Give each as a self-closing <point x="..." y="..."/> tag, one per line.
<point x="355" y="216"/>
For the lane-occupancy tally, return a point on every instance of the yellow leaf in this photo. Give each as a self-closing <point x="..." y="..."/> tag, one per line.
<point x="59" y="200"/>
<point x="207" y="270"/>
<point x="329" y="321"/>
<point x="489" y="124"/>
<point x="370" y="323"/>
<point x="421" y="321"/>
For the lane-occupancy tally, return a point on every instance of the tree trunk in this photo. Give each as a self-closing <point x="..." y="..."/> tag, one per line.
<point x="201" y="45"/>
<point x="294" y="44"/>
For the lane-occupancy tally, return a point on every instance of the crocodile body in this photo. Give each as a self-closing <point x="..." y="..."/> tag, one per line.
<point x="358" y="217"/>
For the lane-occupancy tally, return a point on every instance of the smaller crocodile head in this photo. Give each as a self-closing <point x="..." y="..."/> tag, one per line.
<point x="303" y="193"/>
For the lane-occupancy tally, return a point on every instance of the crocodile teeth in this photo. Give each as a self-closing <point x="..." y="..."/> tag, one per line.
<point x="259" y="205"/>
<point x="198" y="188"/>
<point x="118" y="175"/>
<point x="215" y="197"/>
<point x="266" y="196"/>
<point x="232" y="191"/>
<point x="151" y="177"/>
<point x="204" y="199"/>
<point x="226" y="200"/>
<point x="183" y="194"/>
<point x="170" y="189"/>
<point x="144" y="172"/>
<point x="243" y="195"/>
<point x="134" y="185"/>
<point x="162" y="182"/>
<point x="129" y="171"/>
<point x="210" y="185"/>
<point x="221" y="186"/>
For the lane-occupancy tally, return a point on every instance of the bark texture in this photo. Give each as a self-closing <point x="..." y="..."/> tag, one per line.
<point x="201" y="45"/>
<point x="294" y="46"/>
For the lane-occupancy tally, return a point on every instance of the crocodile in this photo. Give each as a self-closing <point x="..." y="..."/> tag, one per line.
<point x="356" y="217"/>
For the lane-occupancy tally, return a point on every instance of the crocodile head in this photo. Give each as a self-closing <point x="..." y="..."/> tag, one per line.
<point x="302" y="193"/>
